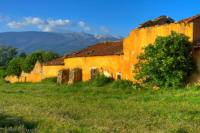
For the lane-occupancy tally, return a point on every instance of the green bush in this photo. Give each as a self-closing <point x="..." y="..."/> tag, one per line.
<point x="167" y="63"/>
<point x="123" y="84"/>
<point x="50" y="80"/>
<point x="3" y="72"/>
<point x="99" y="81"/>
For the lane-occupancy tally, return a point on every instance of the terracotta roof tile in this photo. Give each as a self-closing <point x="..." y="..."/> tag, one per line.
<point x="158" y="21"/>
<point x="190" y="19"/>
<point x="58" y="61"/>
<point x="100" y="49"/>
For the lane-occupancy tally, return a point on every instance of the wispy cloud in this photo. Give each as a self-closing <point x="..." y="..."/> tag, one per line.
<point x="104" y="29"/>
<point x="4" y="18"/>
<point x="49" y="25"/>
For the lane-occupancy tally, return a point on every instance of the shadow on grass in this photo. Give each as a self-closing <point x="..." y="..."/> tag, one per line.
<point x="181" y="130"/>
<point x="12" y="92"/>
<point x="14" y="124"/>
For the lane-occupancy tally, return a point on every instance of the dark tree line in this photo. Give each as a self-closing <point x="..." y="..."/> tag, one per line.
<point x="7" y="53"/>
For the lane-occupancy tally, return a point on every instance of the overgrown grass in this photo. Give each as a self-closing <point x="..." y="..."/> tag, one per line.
<point x="113" y="107"/>
<point x="3" y="72"/>
<point x="99" y="81"/>
<point x="50" y="80"/>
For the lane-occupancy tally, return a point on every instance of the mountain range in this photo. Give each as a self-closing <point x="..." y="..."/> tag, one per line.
<point x="61" y="43"/>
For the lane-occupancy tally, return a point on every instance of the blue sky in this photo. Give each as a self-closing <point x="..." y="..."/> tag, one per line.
<point x="115" y="17"/>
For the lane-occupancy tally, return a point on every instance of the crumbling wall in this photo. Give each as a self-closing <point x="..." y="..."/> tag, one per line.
<point x="158" y="21"/>
<point x="63" y="76"/>
<point x="38" y="73"/>
<point x="75" y="75"/>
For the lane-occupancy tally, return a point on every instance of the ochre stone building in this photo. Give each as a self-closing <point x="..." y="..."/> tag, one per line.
<point x="117" y="59"/>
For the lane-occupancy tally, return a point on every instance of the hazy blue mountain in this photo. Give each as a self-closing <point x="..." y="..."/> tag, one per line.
<point x="57" y="42"/>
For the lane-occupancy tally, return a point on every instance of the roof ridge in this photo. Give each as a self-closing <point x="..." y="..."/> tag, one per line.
<point x="99" y="49"/>
<point x="189" y="19"/>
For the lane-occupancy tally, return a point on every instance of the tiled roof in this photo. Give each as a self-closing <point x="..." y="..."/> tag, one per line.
<point x="58" y="61"/>
<point x="100" y="49"/>
<point x="190" y="19"/>
<point x="158" y="21"/>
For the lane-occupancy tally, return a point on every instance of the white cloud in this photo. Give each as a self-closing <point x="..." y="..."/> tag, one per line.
<point x="104" y="29"/>
<point x="48" y="25"/>
<point x="83" y="25"/>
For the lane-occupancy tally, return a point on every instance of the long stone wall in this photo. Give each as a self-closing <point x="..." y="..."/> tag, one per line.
<point x="38" y="73"/>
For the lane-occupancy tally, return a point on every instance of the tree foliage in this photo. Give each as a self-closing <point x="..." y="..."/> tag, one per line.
<point x="48" y="55"/>
<point x="3" y="72"/>
<point x="7" y="53"/>
<point x="30" y="61"/>
<point x="167" y="63"/>
<point x="39" y="55"/>
<point x="22" y="54"/>
<point x="15" y="66"/>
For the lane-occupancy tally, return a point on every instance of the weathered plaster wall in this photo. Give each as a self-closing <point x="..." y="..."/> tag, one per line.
<point x="51" y="71"/>
<point x="38" y="73"/>
<point x="110" y="64"/>
<point x="33" y="76"/>
<point x="12" y="79"/>
<point x="140" y="38"/>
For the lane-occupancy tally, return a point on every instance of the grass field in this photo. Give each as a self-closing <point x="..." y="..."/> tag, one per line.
<point x="51" y="108"/>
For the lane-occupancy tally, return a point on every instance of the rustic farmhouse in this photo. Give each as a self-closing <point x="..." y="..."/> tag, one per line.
<point x="116" y="59"/>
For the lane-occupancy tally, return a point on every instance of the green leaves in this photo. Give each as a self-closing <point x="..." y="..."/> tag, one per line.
<point x="167" y="63"/>
<point x="15" y="66"/>
<point x="41" y="56"/>
<point x="6" y="54"/>
<point x="27" y="63"/>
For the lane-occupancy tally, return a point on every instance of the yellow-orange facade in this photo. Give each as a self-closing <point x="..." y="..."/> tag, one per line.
<point x="105" y="64"/>
<point x="51" y="71"/>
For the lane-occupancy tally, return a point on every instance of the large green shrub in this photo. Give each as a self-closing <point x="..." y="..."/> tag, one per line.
<point x="167" y="63"/>
<point x="15" y="66"/>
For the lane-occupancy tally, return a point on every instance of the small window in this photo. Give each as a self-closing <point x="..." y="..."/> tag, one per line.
<point x="93" y="72"/>
<point x="119" y="76"/>
<point x="107" y="73"/>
